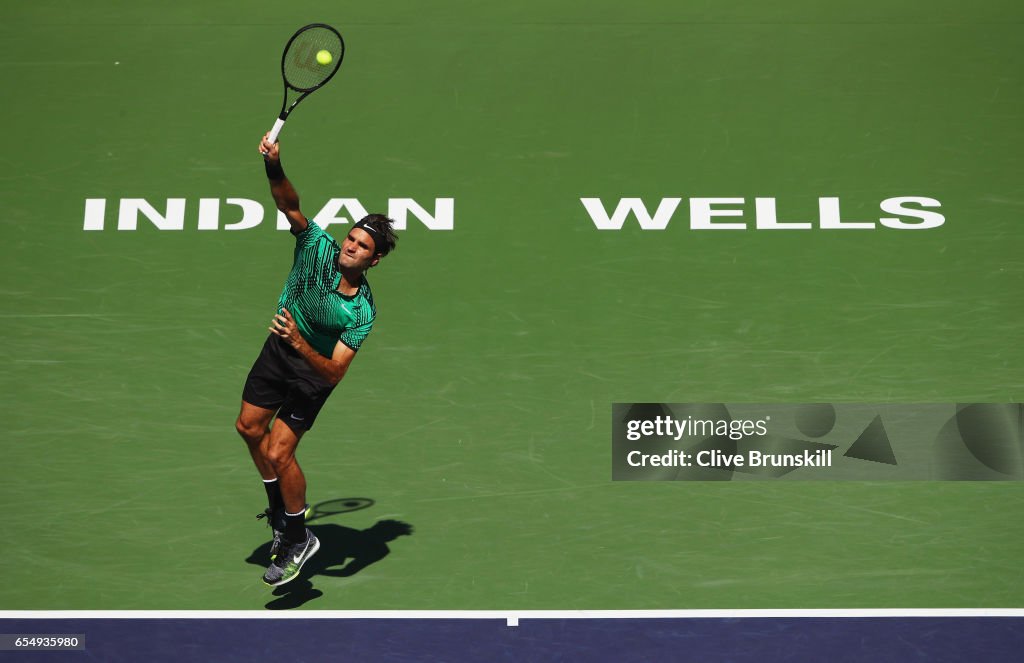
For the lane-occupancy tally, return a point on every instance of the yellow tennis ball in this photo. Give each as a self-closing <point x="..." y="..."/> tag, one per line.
<point x="324" y="57"/>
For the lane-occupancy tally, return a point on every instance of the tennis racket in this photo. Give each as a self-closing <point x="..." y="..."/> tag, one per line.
<point x="311" y="58"/>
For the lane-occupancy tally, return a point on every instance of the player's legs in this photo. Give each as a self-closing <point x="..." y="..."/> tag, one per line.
<point x="253" y="424"/>
<point x="299" y="543"/>
<point x="281" y="382"/>
<point x="306" y="396"/>
<point x="278" y="449"/>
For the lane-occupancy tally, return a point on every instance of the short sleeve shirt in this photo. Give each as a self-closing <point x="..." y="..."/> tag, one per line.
<point x="323" y="315"/>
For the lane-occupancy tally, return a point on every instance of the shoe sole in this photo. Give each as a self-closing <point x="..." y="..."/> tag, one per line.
<point x="315" y="547"/>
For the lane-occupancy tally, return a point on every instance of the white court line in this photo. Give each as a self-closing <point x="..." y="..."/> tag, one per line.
<point x="511" y="615"/>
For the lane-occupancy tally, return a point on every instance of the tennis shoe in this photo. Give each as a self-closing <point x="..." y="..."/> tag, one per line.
<point x="290" y="559"/>
<point x="276" y="523"/>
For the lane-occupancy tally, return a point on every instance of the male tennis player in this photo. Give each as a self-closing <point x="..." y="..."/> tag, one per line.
<point x="324" y="313"/>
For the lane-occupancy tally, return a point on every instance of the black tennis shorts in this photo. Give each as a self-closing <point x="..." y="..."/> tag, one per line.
<point x="281" y="379"/>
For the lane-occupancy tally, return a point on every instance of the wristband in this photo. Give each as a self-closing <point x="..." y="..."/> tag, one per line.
<point x="274" y="170"/>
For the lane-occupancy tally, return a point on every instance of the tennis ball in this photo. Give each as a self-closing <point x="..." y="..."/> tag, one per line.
<point x="324" y="57"/>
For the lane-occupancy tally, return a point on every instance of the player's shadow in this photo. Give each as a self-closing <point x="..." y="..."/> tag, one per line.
<point x="344" y="551"/>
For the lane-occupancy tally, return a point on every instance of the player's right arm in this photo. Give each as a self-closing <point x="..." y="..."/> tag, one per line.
<point x="285" y="197"/>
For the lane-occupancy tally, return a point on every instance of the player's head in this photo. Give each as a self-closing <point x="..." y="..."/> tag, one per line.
<point x="372" y="238"/>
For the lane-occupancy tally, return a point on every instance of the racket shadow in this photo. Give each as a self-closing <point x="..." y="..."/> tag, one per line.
<point x="337" y="506"/>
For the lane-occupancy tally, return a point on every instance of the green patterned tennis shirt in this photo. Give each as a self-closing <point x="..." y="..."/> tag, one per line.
<point x="324" y="315"/>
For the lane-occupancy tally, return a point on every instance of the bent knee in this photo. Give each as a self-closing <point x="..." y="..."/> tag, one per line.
<point x="279" y="456"/>
<point x="250" y="431"/>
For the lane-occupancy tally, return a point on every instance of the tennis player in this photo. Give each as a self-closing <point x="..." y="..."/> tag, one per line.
<point x="324" y="314"/>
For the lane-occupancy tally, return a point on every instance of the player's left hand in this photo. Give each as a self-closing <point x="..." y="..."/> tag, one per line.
<point x="284" y="326"/>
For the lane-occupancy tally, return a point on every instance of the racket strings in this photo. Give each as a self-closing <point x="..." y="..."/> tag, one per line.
<point x="302" y="71"/>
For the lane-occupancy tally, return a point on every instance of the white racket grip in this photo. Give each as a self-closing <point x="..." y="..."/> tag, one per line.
<point x="272" y="138"/>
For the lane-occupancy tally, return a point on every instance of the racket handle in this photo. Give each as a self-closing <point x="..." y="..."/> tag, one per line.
<point x="275" y="131"/>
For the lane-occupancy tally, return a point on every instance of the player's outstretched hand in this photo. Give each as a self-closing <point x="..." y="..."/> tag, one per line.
<point x="284" y="326"/>
<point x="270" y="151"/>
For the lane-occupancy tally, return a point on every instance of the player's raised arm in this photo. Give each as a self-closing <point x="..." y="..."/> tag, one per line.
<point x="285" y="197"/>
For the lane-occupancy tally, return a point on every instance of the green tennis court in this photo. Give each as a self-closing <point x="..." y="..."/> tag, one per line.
<point x="479" y="409"/>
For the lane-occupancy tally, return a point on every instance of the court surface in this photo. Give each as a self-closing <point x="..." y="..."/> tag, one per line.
<point x="478" y="411"/>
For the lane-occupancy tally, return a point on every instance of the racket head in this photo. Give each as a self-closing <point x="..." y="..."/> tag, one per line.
<point x="299" y="66"/>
